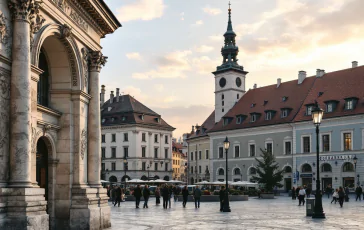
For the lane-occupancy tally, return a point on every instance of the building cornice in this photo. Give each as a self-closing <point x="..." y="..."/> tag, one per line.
<point x="49" y="111"/>
<point x="137" y="125"/>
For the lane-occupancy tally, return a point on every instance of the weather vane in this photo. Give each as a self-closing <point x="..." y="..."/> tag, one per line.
<point x="229" y="6"/>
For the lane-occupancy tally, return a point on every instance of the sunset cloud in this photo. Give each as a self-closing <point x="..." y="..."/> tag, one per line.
<point x="212" y="11"/>
<point x="141" y="10"/>
<point x="198" y="23"/>
<point x="134" y="56"/>
<point x="204" y="49"/>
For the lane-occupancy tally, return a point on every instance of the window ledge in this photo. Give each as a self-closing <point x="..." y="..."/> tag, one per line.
<point x="50" y="111"/>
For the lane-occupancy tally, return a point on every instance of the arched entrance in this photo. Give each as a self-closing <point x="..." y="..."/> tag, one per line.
<point x="166" y="178"/>
<point x="113" y="179"/>
<point x="42" y="165"/>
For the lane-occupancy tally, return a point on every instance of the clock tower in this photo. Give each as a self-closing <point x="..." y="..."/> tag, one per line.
<point x="229" y="76"/>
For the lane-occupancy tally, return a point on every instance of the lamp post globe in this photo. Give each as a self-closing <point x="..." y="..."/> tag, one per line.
<point x="317" y="114"/>
<point x="226" y="207"/>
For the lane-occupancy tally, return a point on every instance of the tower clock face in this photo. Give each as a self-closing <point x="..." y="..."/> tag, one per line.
<point x="222" y="82"/>
<point x="238" y="82"/>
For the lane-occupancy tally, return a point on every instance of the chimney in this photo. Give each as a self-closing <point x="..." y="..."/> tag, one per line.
<point x="320" y="72"/>
<point x="279" y="82"/>
<point x="354" y="64"/>
<point x="193" y="129"/>
<point x="111" y="97"/>
<point x="102" y="95"/>
<point x="117" y="94"/>
<point x="255" y="86"/>
<point x="301" y="76"/>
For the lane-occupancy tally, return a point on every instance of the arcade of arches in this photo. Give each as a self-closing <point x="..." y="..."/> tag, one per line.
<point x="50" y="114"/>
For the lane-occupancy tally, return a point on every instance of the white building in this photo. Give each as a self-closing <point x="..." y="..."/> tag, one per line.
<point x="133" y="133"/>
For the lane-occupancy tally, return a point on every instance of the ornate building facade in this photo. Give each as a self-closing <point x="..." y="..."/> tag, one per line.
<point x="50" y="62"/>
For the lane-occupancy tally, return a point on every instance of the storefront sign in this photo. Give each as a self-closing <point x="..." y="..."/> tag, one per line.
<point x="336" y="157"/>
<point x="306" y="175"/>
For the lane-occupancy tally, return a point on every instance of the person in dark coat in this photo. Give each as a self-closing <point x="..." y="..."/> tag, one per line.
<point x="358" y="192"/>
<point x="137" y="194"/>
<point x="222" y="196"/>
<point x="197" y="193"/>
<point x="293" y="193"/>
<point x="178" y="191"/>
<point x="146" y="195"/>
<point x="170" y="191"/>
<point x="297" y="191"/>
<point x="166" y="196"/>
<point x="308" y="191"/>
<point x="341" y="196"/>
<point x="346" y="194"/>
<point x="185" y="196"/>
<point x="157" y="196"/>
<point x="117" y="196"/>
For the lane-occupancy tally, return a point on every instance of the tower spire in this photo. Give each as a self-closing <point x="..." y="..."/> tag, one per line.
<point x="230" y="27"/>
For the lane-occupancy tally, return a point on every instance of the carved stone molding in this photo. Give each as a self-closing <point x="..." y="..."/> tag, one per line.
<point x="4" y="31"/>
<point x="83" y="143"/>
<point x="4" y="111"/>
<point x="97" y="60"/>
<point x="85" y="64"/>
<point x="24" y="10"/>
<point x="66" y="31"/>
<point x="79" y="20"/>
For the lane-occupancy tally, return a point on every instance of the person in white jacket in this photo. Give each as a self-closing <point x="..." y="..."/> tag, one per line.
<point x="335" y="196"/>
<point x="301" y="196"/>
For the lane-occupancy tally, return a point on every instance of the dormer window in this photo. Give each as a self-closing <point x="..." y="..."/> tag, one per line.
<point x="254" y="117"/>
<point x="240" y="119"/>
<point x="158" y="119"/>
<point x="331" y="106"/>
<point x="226" y="120"/>
<point x="284" y="113"/>
<point x="123" y="118"/>
<point x="350" y="103"/>
<point x="309" y="110"/>
<point x="269" y="115"/>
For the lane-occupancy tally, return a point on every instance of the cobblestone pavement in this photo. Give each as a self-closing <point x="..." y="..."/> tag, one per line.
<point x="279" y="213"/>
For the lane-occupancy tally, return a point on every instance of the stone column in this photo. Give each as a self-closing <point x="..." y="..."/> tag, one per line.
<point x="94" y="126"/>
<point x="4" y="128"/>
<point x="20" y="94"/>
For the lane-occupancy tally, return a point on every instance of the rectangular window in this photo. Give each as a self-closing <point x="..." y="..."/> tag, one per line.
<point x="288" y="147"/>
<point x="156" y="166"/>
<point x="306" y="144"/>
<point x="143" y="166"/>
<point x="166" y="139"/>
<point x="221" y="152"/>
<point x="252" y="150"/>
<point x="143" y="137"/>
<point x="143" y="151"/>
<point x="103" y="138"/>
<point x="113" y="166"/>
<point x="102" y="166"/>
<point x="191" y="156"/>
<point x="155" y="152"/>
<point x="268" y="116"/>
<point x="199" y="155"/>
<point x="166" y="167"/>
<point x="103" y="153"/>
<point x="347" y="141"/>
<point x="284" y="113"/>
<point x="126" y="152"/>
<point x="199" y="169"/>
<point x="113" y="137"/>
<point x="349" y="104"/>
<point x="237" y="151"/>
<point x="309" y="110"/>
<point x="196" y="155"/>
<point x="191" y="169"/>
<point x="269" y="147"/>
<point x="326" y="143"/>
<point x="253" y="118"/>
<point x="166" y="153"/>
<point x="207" y="154"/>
<point x="155" y="138"/>
<point x="113" y="152"/>
<point x="126" y="138"/>
<point x="329" y="108"/>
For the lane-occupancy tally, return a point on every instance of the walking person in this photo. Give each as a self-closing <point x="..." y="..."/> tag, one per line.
<point x="170" y="191"/>
<point x="297" y="191"/>
<point x="178" y="191"/>
<point x="293" y="193"/>
<point x="328" y="190"/>
<point x="197" y="196"/>
<point x="301" y="196"/>
<point x="157" y="196"/>
<point x="165" y="195"/>
<point x="222" y="196"/>
<point x="146" y="195"/>
<point x="347" y="194"/>
<point x="117" y="196"/>
<point x="137" y="194"/>
<point x="341" y="196"/>
<point x="308" y="192"/>
<point x="113" y="194"/>
<point x="335" y="196"/>
<point x="185" y="196"/>
<point x="358" y="192"/>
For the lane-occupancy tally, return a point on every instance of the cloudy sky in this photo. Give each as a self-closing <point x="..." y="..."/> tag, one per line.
<point x="166" y="49"/>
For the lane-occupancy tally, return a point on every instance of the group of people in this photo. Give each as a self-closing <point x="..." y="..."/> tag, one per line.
<point x="116" y="194"/>
<point x="301" y="192"/>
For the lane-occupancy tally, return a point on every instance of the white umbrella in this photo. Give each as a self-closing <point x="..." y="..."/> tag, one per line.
<point x="174" y="181"/>
<point x="104" y="181"/>
<point x="221" y="183"/>
<point x="204" y="183"/>
<point x="135" y="181"/>
<point x="244" y="183"/>
<point x="159" y="181"/>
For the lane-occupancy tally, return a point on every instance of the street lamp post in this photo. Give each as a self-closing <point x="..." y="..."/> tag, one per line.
<point x="125" y="169"/>
<point x="148" y="167"/>
<point x="317" y="114"/>
<point x="355" y="160"/>
<point x="226" y="207"/>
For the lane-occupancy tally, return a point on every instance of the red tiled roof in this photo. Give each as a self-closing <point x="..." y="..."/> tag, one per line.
<point x="264" y="99"/>
<point x="177" y="145"/>
<point x="204" y="128"/>
<point x="336" y="86"/>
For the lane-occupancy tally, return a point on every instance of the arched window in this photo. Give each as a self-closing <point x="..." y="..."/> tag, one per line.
<point x="156" y="177"/>
<point x="287" y="169"/>
<point x="125" y="177"/>
<point x="222" y="97"/>
<point x="306" y="168"/>
<point x="348" y="167"/>
<point x="221" y="172"/>
<point x="236" y="171"/>
<point x="144" y="177"/>
<point x="252" y="171"/>
<point x="113" y="179"/>
<point x="326" y="168"/>
<point x="43" y="83"/>
<point x="166" y="178"/>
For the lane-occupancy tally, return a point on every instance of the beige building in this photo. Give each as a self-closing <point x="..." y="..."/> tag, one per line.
<point x="50" y="62"/>
<point x="179" y="162"/>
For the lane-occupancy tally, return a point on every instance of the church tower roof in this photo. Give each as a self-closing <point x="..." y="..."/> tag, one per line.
<point x="230" y="50"/>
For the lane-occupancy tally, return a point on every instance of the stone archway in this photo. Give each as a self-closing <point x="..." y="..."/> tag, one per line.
<point x="113" y="179"/>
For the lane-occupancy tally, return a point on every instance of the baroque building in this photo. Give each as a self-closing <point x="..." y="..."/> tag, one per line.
<point x="50" y="62"/>
<point x="179" y="162"/>
<point x="136" y="141"/>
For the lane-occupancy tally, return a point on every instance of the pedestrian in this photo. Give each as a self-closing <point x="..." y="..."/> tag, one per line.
<point x="259" y="192"/>
<point x="185" y="194"/>
<point x="341" y="196"/>
<point x="197" y="196"/>
<point x="222" y="196"/>
<point x="301" y="196"/>
<point x="122" y="195"/>
<point x="165" y="195"/>
<point x="297" y="191"/>
<point x="347" y="194"/>
<point x="328" y="190"/>
<point x="137" y="194"/>
<point x="170" y="191"/>
<point x="335" y="196"/>
<point x="358" y="192"/>
<point x="174" y="190"/>
<point x="157" y="196"/>
<point x="308" y="192"/>
<point x="113" y="194"/>
<point x="178" y="191"/>
<point x="117" y="196"/>
<point x="146" y="195"/>
<point x="293" y="193"/>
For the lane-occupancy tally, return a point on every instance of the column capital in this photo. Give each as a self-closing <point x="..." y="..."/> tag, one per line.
<point x="24" y="10"/>
<point x="96" y="61"/>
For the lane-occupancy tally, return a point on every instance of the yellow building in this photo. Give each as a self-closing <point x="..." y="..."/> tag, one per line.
<point x="179" y="162"/>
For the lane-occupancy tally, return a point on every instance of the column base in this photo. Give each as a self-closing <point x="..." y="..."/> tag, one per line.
<point x="89" y="209"/>
<point x="23" y="208"/>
